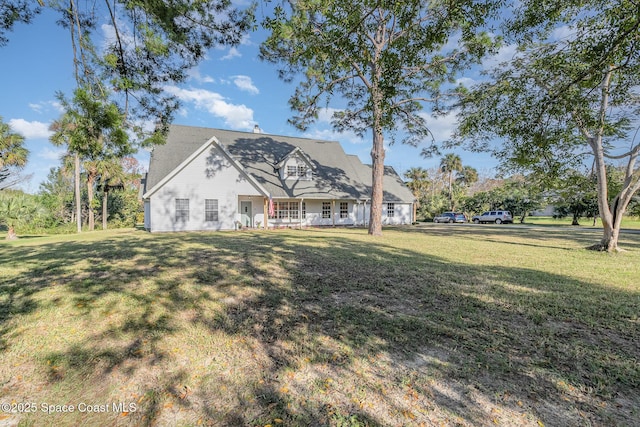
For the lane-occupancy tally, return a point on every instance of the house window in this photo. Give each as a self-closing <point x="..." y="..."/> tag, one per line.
<point x="280" y="209"/>
<point x="391" y="210"/>
<point x="304" y="210"/>
<point x="294" y="212"/>
<point x="211" y="210"/>
<point x="344" y="209"/>
<point x="299" y="171"/>
<point x="182" y="210"/>
<point x="286" y="210"/>
<point x="326" y="209"/>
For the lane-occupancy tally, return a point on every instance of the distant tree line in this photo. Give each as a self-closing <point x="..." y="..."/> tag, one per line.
<point x="52" y="209"/>
<point x="455" y="187"/>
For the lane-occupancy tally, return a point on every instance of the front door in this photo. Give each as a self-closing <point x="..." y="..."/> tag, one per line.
<point x="246" y="218"/>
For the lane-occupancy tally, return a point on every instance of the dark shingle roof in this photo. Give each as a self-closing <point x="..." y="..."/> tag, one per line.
<point x="336" y="175"/>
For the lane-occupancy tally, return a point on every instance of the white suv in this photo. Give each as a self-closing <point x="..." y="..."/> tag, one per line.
<point x="497" y="217"/>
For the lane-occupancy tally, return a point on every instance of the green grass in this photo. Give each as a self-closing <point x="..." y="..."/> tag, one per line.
<point x="627" y="222"/>
<point x="468" y="325"/>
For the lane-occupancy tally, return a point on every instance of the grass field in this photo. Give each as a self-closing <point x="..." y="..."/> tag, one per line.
<point x="628" y="222"/>
<point x="440" y="325"/>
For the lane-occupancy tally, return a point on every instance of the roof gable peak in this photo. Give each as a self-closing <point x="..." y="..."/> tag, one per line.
<point x="296" y="152"/>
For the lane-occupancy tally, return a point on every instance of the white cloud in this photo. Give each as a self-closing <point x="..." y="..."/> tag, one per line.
<point x="30" y="130"/>
<point x="246" y="40"/>
<point x="466" y="81"/>
<point x="194" y="74"/>
<point x="36" y="107"/>
<point x="563" y="33"/>
<point x="442" y="127"/>
<point x="331" y="135"/>
<point x="52" y="153"/>
<point x="44" y="106"/>
<point x="326" y="133"/>
<point x="233" y="53"/>
<point x="326" y="114"/>
<point x="235" y="116"/>
<point x="505" y="54"/>
<point x="246" y="84"/>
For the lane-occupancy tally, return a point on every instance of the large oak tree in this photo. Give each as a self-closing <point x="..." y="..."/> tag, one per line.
<point x="569" y="97"/>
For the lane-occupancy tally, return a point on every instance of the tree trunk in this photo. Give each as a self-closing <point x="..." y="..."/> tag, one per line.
<point x="451" y="190"/>
<point x="104" y="210"/>
<point x="609" y="241"/>
<point x="377" y="175"/>
<point x="377" y="150"/>
<point x="90" y="180"/>
<point x="611" y="216"/>
<point x="11" y="233"/>
<point x="77" y="191"/>
<point x="575" y="220"/>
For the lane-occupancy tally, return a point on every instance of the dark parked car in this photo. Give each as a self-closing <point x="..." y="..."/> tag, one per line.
<point x="497" y="217"/>
<point x="451" y="217"/>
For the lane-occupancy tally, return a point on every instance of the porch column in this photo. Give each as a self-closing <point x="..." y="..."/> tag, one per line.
<point x="266" y="213"/>
<point x="415" y="208"/>
<point x="300" y="212"/>
<point x="364" y="214"/>
<point x="333" y="211"/>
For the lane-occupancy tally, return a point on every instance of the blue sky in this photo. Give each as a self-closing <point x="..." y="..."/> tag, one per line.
<point x="232" y="89"/>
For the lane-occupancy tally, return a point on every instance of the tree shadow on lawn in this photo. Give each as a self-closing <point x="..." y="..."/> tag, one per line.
<point x="544" y="238"/>
<point x="315" y="328"/>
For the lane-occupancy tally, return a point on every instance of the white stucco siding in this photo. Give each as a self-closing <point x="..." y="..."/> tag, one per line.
<point x="341" y="219"/>
<point x="314" y="213"/>
<point x="147" y="212"/>
<point x="208" y="176"/>
<point x="401" y="214"/>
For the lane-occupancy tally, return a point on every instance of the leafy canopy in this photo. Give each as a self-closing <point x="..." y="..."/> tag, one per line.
<point x="547" y="101"/>
<point x="387" y="59"/>
<point x="134" y="48"/>
<point x="12" y="150"/>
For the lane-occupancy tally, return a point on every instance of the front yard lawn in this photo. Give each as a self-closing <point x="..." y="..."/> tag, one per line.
<point x="467" y="326"/>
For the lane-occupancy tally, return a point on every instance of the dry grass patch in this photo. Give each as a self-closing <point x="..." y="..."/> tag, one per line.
<point x="466" y="326"/>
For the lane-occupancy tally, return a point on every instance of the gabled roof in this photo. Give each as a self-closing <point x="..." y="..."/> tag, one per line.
<point x="336" y="174"/>
<point x="213" y="141"/>
<point x="296" y="152"/>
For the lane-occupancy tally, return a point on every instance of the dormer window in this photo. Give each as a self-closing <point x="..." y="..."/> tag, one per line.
<point x="298" y="171"/>
<point x="295" y="165"/>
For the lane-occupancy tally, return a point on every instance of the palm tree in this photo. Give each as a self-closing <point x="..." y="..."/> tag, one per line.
<point x="418" y="181"/>
<point x="467" y="176"/>
<point x="111" y="176"/>
<point x="12" y="151"/>
<point x="63" y="132"/>
<point x="92" y="129"/>
<point x="15" y="210"/>
<point x="450" y="164"/>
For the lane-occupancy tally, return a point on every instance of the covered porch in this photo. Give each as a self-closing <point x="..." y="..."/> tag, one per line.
<point x="265" y="212"/>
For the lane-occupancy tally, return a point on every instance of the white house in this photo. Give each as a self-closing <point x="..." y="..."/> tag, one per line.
<point x="211" y="179"/>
